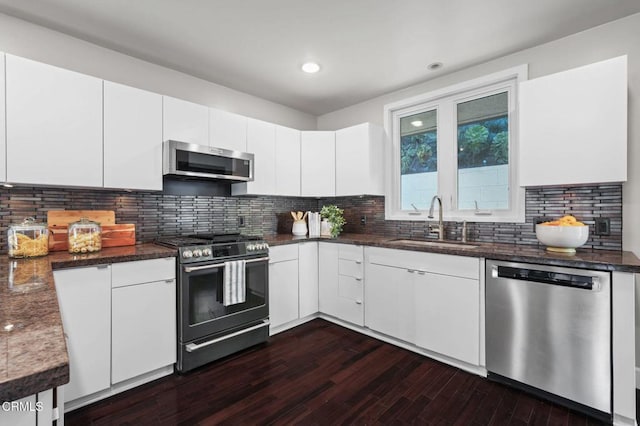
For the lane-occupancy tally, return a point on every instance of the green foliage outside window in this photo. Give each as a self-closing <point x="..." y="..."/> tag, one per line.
<point x="419" y="153"/>
<point x="483" y="143"/>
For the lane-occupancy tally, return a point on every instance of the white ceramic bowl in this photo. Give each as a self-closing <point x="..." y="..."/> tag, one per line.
<point x="562" y="238"/>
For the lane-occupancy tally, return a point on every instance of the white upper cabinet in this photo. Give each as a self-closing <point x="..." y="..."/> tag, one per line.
<point x="287" y="161"/>
<point x="132" y="138"/>
<point x="3" y="142"/>
<point x="359" y="160"/>
<point x="261" y="142"/>
<point x="54" y="131"/>
<point x="318" y="164"/>
<point x="227" y="130"/>
<point x="185" y="121"/>
<point x="573" y="126"/>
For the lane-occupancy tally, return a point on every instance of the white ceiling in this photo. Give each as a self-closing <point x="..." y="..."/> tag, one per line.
<point x="365" y="47"/>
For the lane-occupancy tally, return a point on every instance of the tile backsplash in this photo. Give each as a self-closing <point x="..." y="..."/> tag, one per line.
<point x="584" y="202"/>
<point x="159" y="214"/>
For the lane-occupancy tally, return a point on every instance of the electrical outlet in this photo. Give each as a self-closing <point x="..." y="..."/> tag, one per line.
<point x="602" y="226"/>
<point x="240" y="221"/>
<point x="363" y="220"/>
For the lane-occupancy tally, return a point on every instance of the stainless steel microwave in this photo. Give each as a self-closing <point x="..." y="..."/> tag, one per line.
<point x="200" y="161"/>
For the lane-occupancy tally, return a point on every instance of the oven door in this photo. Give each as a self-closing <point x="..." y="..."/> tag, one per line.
<point x="200" y="298"/>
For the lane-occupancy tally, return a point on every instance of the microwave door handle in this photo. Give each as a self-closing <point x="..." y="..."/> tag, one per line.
<point x="219" y="265"/>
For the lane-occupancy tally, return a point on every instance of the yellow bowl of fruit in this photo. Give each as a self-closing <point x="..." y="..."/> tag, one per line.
<point x="563" y="235"/>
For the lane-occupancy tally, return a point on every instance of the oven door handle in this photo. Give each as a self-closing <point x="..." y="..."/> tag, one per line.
<point x="194" y="347"/>
<point x="219" y="265"/>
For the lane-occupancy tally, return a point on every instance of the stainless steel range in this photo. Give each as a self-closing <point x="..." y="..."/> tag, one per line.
<point x="223" y="288"/>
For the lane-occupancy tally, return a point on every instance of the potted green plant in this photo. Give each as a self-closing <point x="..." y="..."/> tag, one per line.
<point x="335" y="217"/>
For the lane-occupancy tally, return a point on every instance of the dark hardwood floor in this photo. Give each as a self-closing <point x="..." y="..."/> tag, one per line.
<point x="323" y="374"/>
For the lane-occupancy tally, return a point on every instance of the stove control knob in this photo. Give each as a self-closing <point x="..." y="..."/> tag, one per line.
<point x="206" y="252"/>
<point x="263" y="246"/>
<point x="187" y="254"/>
<point x="197" y="253"/>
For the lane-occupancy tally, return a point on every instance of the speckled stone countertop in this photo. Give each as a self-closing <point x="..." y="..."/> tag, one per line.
<point x="33" y="352"/>
<point x="604" y="260"/>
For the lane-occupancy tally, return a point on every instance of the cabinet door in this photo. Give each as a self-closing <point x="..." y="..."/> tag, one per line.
<point x="359" y="160"/>
<point x="132" y="138"/>
<point x="328" y="278"/>
<point x="308" y="278"/>
<point x="261" y="142"/>
<point x="143" y="329"/>
<point x="3" y="144"/>
<point x="84" y="296"/>
<point x="185" y="121"/>
<point x="573" y="126"/>
<point x="389" y="301"/>
<point x="447" y="312"/>
<point x="318" y="164"/>
<point x="283" y="292"/>
<point x="227" y="130"/>
<point x="287" y="161"/>
<point x="54" y="132"/>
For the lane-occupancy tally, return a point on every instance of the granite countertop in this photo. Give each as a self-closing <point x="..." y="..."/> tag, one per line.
<point x="33" y="352"/>
<point x="604" y="260"/>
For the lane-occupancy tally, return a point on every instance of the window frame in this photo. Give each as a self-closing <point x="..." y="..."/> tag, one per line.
<point x="445" y="102"/>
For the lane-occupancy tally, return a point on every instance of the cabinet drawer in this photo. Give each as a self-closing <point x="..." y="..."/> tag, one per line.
<point x="350" y="268"/>
<point x="350" y="252"/>
<point x="142" y="271"/>
<point x="283" y="253"/>
<point x="350" y="288"/>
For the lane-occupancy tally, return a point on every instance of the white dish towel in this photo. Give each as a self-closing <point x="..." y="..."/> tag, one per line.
<point x="235" y="289"/>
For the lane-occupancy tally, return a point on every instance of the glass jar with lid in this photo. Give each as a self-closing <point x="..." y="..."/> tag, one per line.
<point x="84" y="236"/>
<point x="28" y="239"/>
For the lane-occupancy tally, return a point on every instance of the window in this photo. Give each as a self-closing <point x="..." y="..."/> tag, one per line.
<point x="459" y="143"/>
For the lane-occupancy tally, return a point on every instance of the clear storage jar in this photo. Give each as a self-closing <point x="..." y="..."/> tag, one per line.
<point x="28" y="239"/>
<point x="84" y="236"/>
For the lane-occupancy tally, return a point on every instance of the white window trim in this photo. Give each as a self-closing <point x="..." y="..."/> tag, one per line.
<point x="418" y="103"/>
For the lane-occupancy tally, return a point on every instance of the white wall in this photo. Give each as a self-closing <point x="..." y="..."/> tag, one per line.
<point x="607" y="41"/>
<point x="34" y="42"/>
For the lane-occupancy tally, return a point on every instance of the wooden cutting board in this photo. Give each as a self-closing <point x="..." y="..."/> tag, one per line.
<point x="65" y="217"/>
<point x="113" y="235"/>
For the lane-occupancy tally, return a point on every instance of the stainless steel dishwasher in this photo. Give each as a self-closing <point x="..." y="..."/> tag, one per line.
<point x="548" y="331"/>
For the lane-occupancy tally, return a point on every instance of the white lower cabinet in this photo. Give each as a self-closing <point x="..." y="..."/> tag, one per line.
<point x="341" y="279"/>
<point x="429" y="300"/>
<point x="308" y="278"/>
<point x="447" y="316"/>
<point x="120" y="323"/>
<point x="84" y="296"/>
<point x="390" y="303"/>
<point x="143" y="329"/>
<point x="283" y="284"/>
<point x="293" y="284"/>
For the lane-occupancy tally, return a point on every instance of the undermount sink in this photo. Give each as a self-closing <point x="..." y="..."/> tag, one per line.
<point x="425" y="243"/>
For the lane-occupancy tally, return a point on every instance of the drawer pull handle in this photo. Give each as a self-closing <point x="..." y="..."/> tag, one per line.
<point x="358" y="262"/>
<point x="358" y="302"/>
<point x="358" y="279"/>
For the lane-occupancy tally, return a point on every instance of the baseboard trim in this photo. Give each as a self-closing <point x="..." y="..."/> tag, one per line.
<point x="119" y="387"/>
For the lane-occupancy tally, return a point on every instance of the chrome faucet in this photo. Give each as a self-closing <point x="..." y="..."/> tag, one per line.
<point x="440" y="228"/>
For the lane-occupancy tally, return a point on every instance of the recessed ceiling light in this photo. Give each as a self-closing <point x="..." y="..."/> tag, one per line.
<point x="7" y="185"/>
<point x="310" y="67"/>
<point x="416" y="123"/>
<point x="434" y="66"/>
